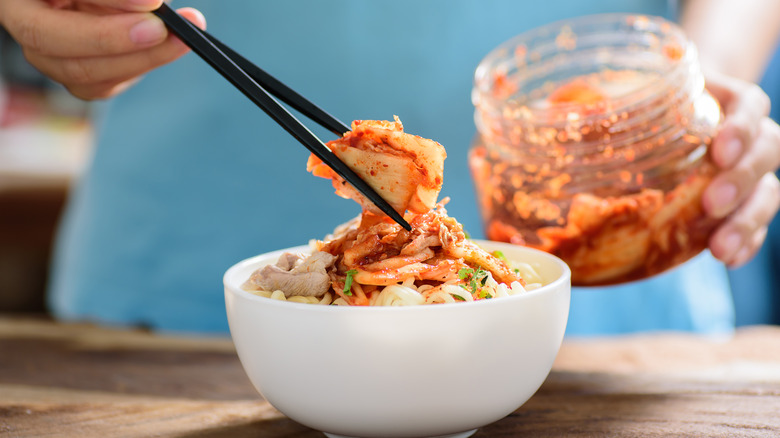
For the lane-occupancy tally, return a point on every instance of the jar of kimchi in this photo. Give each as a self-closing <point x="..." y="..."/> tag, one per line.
<point x="593" y="145"/>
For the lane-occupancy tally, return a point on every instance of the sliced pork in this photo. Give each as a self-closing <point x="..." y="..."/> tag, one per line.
<point x="295" y="275"/>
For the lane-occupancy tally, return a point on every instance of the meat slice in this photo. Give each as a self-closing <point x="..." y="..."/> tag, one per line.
<point x="288" y="260"/>
<point x="295" y="275"/>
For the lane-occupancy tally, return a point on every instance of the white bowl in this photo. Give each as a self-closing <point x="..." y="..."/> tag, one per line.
<point x="440" y="370"/>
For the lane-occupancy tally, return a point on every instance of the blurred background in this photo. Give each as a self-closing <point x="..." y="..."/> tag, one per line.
<point x="45" y="139"/>
<point x="45" y="142"/>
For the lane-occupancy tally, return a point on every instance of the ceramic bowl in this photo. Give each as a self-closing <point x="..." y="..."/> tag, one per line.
<point x="440" y="370"/>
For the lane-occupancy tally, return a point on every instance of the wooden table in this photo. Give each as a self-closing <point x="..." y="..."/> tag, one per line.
<point x="78" y="380"/>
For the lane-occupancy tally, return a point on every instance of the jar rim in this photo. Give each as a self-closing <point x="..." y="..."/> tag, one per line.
<point x="651" y="26"/>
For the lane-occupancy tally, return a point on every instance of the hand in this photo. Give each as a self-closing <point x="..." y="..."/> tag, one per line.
<point x="746" y="191"/>
<point x="95" y="48"/>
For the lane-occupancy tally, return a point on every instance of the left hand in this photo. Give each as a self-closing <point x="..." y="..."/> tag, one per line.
<point x="746" y="191"/>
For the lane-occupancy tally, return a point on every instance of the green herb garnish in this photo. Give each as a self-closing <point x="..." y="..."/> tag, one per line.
<point x="476" y="278"/>
<point x="458" y="297"/>
<point x="499" y="255"/>
<point x="348" y="282"/>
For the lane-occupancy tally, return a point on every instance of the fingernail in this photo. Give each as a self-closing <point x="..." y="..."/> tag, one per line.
<point x="148" y="32"/>
<point x="731" y="151"/>
<point x="725" y="194"/>
<point x="742" y="256"/>
<point x="144" y="5"/>
<point x="732" y="242"/>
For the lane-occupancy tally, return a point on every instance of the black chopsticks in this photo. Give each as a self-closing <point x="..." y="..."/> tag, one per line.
<point x="259" y="86"/>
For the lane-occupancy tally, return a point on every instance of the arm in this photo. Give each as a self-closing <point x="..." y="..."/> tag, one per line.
<point x="735" y="42"/>
<point x="95" y="48"/>
<point x="735" y="38"/>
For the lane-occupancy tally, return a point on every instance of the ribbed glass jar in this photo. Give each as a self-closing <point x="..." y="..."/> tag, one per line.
<point x="593" y="138"/>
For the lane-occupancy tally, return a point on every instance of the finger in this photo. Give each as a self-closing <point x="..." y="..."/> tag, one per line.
<point x="101" y="7"/>
<point x="750" y="249"/>
<point x="103" y="77"/>
<point x="194" y="16"/>
<point x="737" y="239"/>
<point x="729" y="188"/>
<point x="744" y="105"/>
<point x="64" y="33"/>
<point x="81" y="72"/>
<point x="728" y="91"/>
<point x="103" y="90"/>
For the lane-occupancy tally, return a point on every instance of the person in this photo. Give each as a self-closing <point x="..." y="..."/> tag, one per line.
<point x="188" y="177"/>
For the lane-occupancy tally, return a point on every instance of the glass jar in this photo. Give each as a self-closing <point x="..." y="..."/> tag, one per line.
<point x="593" y="140"/>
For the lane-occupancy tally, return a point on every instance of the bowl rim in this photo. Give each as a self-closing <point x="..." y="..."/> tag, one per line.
<point x="564" y="277"/>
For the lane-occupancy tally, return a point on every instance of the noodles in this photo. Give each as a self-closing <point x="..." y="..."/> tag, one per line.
<point x="279" y="295"/>
<point x="398" y="295"/>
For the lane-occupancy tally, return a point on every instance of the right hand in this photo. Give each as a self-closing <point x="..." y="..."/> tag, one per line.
<point x="95" y="48"/>
<point x="745" y="191"/>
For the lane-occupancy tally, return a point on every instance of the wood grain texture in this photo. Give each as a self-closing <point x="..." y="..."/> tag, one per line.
<point x="78" y="380"/>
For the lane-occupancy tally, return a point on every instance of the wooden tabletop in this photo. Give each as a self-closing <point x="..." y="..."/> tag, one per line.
<point x="79" y="380"/>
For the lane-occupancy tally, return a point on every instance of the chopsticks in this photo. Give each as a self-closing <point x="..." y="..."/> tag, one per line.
<point x="260" y="87"/>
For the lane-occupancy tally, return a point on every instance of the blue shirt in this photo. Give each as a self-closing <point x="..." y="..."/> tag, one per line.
<point x="189" y="177"/>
